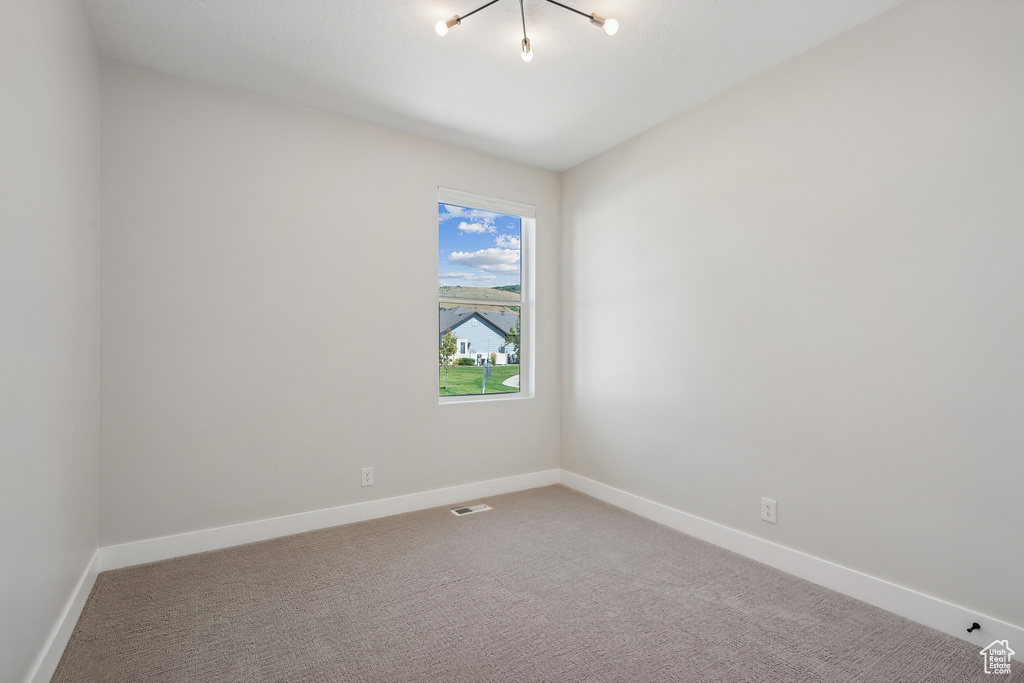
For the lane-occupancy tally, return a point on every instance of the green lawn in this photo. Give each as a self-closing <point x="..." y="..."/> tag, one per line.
<point x="463" y="380"/>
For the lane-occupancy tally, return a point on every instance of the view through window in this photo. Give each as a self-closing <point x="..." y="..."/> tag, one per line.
<point x="479" y="266"/>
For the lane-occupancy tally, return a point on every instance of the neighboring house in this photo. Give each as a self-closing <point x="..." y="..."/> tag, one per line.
<point x="479" y="333"/>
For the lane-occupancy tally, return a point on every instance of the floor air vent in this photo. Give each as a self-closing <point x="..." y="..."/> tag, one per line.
<point x="470" y="509"/>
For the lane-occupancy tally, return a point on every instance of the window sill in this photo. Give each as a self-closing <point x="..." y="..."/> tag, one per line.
<point x="482" y="398"/>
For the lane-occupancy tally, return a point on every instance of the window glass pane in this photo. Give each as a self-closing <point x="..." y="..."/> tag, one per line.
<point x="475" y="338"/>
<point x="478" y="254"/>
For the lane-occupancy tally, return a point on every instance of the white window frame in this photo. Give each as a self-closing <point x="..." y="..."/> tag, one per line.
<point x="527" y="288"/>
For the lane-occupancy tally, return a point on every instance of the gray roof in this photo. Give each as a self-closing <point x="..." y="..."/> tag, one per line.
<point x="450" y="318"/>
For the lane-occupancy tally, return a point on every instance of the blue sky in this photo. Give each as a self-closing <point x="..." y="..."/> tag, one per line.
<point x="477" y="248"/>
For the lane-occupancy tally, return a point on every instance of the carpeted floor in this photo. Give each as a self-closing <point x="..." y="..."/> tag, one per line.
<point x="550" y="585"/>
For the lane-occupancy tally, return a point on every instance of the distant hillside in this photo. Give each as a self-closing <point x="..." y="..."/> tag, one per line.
<point x="496" y="307"/>
<point x="505" y="293"/>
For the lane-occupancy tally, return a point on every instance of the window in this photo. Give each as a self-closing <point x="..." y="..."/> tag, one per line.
<point x="484" y="261"/>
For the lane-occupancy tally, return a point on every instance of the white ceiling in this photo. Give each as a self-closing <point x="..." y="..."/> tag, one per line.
<point x="380" y="60"/>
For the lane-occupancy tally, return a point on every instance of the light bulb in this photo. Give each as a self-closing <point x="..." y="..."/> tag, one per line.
<point x="527" y="53"/>
<point x="443" y="26"/>
<point x="610" y="26"/>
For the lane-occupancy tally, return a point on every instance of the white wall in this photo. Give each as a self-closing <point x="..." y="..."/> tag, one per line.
<point x="49" y="319"/>
<point x="269" y="312"/>
<point x="811" y="288"/>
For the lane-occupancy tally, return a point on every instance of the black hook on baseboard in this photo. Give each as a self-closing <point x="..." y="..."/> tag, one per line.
<point x="974" y="627"/>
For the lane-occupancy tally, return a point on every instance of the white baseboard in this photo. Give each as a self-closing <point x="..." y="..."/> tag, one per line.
<point x="46" y="663"/>
<point x="166" y="547"/>
<point x="918" y="607"/>
<point x="910" y="604"/>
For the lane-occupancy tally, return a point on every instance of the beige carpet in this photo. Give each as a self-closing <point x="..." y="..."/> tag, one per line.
<point x="550" y="585"/>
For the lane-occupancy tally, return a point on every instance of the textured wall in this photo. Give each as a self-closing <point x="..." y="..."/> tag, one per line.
<point x="253" y="253"/>
<point x="831" y="258"/>
<point x="49" y="319"/>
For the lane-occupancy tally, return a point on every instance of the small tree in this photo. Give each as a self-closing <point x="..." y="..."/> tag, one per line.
<point x="449" y="343"/>
<point x="512" y="339"/>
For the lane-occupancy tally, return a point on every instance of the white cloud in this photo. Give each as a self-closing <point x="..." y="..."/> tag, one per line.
<point x="501" y="268"/>
<point x="475" y="227"/>
<point x="450" y="211"/>
<point x="489" y="260"/>
<point x="474" y="221"/>
<point x="470" y="277"/>
<point x="507" y="241"/>
<point x="485" y="217"/>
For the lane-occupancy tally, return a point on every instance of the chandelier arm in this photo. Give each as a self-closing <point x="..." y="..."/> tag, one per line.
<point x="571" y="9"/>
<point x="484" y="6"/>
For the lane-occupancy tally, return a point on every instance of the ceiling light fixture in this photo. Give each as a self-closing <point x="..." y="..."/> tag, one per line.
<point x="610" y="26"/>
<point x="527" y="53"/>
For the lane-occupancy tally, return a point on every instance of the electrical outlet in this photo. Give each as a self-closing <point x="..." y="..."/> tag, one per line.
<point x="367" y="476"/>
<point x="768" y="510"/>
